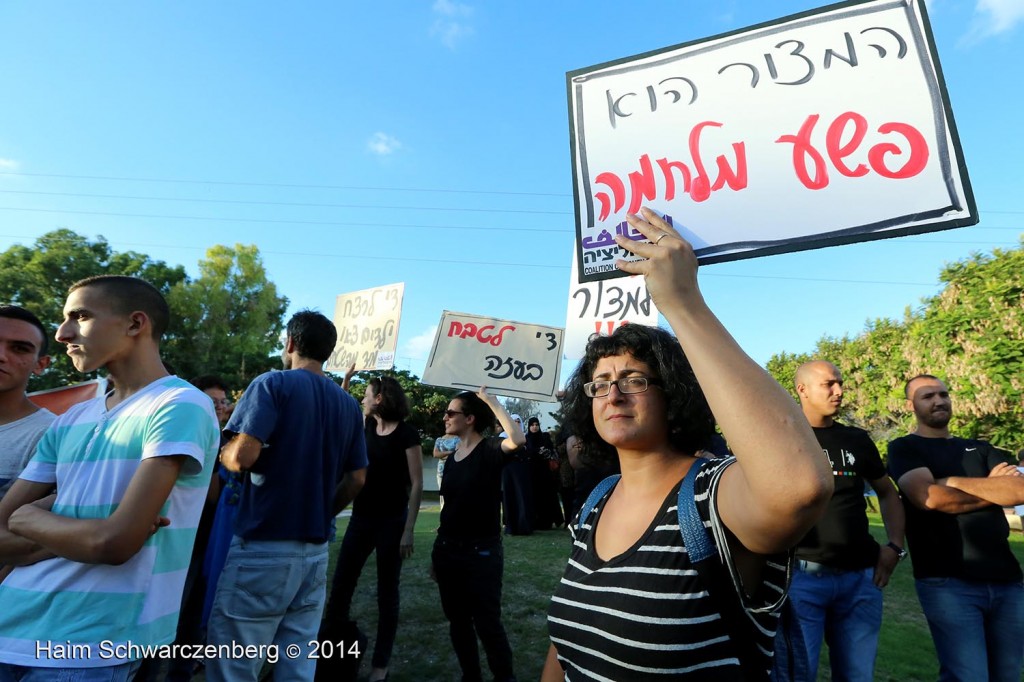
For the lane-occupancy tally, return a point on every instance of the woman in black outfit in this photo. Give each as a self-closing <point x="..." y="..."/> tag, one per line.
<point x="541" y="454"/>
<point x="467" y="561"/>
<point x="383" y="515"/>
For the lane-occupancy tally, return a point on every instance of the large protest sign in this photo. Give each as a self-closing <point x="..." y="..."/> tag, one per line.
<point x="367" y="323"/>
<point x="510" y="358"/>
<point x="823" y="128"/>
<point x="599" y="308"/>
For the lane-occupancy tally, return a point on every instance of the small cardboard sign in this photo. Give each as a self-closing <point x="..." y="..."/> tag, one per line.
<point x="512" y="359"/>
<point x="367" y="324"/>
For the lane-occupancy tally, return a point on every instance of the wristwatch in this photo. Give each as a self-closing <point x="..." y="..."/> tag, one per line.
<point x="901" y="553"/>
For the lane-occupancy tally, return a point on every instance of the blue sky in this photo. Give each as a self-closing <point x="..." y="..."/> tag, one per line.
<point x="360" y="144"/>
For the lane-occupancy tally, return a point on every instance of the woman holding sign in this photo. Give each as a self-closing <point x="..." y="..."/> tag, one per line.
<point x="467" y="561"/>
<point x="632" y="604"/>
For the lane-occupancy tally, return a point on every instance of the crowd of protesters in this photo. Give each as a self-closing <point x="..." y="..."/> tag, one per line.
<point x="159" y="515"/>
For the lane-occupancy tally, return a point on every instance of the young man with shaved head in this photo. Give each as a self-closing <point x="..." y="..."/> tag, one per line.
<point x="836" y="592"/>
<point x="98" y="575"/>
<point x="23" y="353"/>
<point x="968" y="580"/>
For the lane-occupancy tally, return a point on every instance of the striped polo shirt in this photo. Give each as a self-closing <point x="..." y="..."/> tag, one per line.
<point x="646" y="614"/>
<point x="62" y="613"/>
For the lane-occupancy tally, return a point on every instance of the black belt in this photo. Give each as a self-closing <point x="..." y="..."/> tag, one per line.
<point x="814" y="568"/>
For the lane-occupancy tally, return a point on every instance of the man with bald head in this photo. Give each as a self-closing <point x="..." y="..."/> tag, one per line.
<point x="967" y="579"/>
<point x="836" y="592"/>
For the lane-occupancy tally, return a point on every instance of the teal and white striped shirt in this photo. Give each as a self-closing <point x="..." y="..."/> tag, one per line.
<point x="91" y="453"/>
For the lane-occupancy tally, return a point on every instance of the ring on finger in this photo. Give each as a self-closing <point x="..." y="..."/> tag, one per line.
<point x="658" y="240"/>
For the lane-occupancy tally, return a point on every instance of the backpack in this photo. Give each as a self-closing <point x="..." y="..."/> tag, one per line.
<point x="701" y="548"/>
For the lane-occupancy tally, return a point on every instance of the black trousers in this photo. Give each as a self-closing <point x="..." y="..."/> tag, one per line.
<point x="363" y="536"/>
<point x="469" y="579"/>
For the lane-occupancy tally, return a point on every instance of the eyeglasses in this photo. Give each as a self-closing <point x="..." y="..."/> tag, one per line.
<point x="452" y="413"/>
<point x="627" y="385"/>
<point x="223" y="402"/>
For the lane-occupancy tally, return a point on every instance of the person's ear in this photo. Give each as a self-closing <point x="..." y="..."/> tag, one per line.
<point x="41" y="364"/>
<point x="138" y="322"/>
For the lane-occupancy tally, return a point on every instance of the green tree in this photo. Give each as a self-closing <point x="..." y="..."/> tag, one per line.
<point x="229" y="320"/>
<point x="783" y="366"/>
<point x="971" y="335"/>
<point x="38" y="278"/>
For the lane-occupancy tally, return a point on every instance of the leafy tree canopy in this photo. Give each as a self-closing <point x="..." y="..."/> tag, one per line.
<point x="971" y="335"/>
<point x="227" y="321"/>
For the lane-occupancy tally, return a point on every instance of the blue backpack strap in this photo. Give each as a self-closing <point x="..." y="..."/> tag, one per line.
<point x="695" y="536"/>
<point x="717" y="582"/>
<point x="595" y="496"/>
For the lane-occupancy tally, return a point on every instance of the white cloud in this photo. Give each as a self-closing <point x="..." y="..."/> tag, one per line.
<point x="8" y="164"/>
<point x="383" y="144"/>
<point x="451" y="22"/>
<point x="992" y="17"/>
<point x="418" y="347"/>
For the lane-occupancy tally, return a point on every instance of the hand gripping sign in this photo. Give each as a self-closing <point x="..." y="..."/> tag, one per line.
<point x="367" y="324"/>
<point x="822" y="128"/>
<point x="511" y="358"/>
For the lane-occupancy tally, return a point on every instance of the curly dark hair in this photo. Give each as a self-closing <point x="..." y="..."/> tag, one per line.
<point x="472" y="405"/>
<point x="394" y="405"/>
<point x="690" y="422"/>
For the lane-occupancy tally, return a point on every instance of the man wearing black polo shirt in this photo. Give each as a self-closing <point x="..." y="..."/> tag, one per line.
<point x="836" y="592"/>
<point x="967" y="579"/>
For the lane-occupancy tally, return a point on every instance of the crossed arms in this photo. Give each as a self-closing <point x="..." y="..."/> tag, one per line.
<point x="1004" y="487"/>
<point x="30" y="532"/>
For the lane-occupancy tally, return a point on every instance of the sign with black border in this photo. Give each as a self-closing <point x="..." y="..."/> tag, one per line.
<point x="828" y="127"/>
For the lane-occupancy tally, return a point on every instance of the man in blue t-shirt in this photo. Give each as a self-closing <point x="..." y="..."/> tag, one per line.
<point x="298" y="437"/>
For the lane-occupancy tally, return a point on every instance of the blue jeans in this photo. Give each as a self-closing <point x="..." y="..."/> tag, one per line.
<point x="845" y="609"/>
<point x="271" y="592"/>
<point x="111" y="673"/>
<point x="976" y="627"/>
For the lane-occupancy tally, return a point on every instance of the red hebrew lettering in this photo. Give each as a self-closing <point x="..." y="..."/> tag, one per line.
<point x="737" y="179"/>
<point x="670" y="182"/>
<point x="641" y="185"/>
<point x="802" y="148"/>
<point x="618" y="192"/>
<point x="837" y="151"/>
<point x="455" y="329"/>
<point x="701" y="187"/>
<point x="918" y="152"/>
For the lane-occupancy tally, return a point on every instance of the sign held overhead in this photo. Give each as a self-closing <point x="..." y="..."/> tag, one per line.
<point x="823" y="128"/>
<point x="511" y="358"/>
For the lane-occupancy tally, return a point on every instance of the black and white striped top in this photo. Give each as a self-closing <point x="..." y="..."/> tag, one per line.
<point x="645" y="614"/>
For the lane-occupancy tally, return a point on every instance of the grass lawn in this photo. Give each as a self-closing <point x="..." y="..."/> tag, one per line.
<point x="533" y="566"/>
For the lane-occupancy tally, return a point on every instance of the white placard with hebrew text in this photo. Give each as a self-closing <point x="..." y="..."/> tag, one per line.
<point x="599" y="308"/>
<point x="823" y="128"/>
<point x="512" y="359"/>
<point x="367" y="323"/>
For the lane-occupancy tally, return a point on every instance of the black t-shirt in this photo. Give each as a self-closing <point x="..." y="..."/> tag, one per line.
<point x="841" y="538"/>
<point x="386" y="491"/>
<point x="471" y="488"/>
<point x="968" y="546"/>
